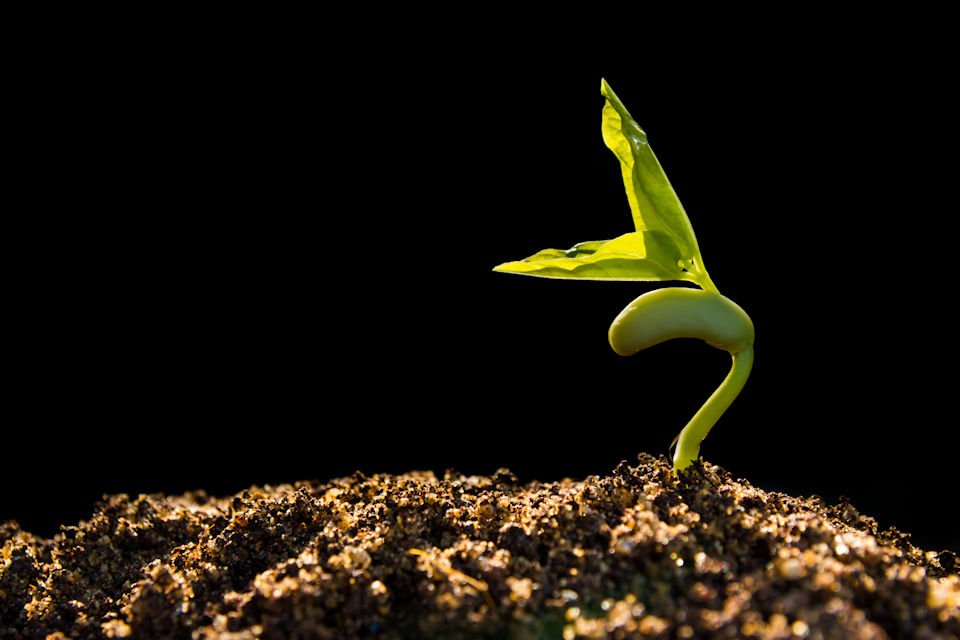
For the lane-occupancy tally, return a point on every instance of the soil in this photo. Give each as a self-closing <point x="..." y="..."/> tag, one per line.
<point x="638" y="553"/>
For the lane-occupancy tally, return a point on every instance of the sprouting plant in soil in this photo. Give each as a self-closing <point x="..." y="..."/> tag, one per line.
<point x="663" y="248"/>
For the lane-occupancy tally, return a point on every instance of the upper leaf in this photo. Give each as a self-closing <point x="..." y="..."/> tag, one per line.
<point x="663" y="247"/>
<point x="653" y="202"/>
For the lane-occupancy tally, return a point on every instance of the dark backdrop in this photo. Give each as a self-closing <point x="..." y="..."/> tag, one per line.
<point x="245" y="263"/>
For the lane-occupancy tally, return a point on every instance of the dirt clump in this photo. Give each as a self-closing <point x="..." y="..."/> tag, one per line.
<point x="638" y="553"/>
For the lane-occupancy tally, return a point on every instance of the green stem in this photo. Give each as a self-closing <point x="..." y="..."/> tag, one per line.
<point x="700" y="275"/>
<point x="688" y="442"/>
<point x="706" y="283"/>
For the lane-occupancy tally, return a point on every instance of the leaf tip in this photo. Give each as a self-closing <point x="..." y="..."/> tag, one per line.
<point x="613" y="100"/>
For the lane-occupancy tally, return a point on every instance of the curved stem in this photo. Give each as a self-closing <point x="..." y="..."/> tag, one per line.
<point x="688" y="442"/>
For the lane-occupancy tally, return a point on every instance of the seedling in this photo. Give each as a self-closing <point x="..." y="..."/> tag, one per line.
<point x="663" y="248"/>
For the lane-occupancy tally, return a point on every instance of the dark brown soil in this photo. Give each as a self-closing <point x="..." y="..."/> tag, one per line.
<point x="638" y="553"/>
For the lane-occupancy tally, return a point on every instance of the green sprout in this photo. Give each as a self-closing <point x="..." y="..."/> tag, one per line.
<point x="662" y="248"/>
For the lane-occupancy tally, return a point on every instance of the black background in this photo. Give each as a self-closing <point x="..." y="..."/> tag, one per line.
<point x="257" y="261"/>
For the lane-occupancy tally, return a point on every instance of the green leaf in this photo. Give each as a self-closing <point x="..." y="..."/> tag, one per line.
<point x="663" y="247"/>
<point x="653" y="202"/>
<point x="641" y="255"/>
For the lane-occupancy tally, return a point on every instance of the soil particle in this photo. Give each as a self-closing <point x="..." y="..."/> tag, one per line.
<point x="639" y="553"/>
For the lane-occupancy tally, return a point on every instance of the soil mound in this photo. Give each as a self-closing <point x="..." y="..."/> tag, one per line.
<point x="638" y="553"/>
